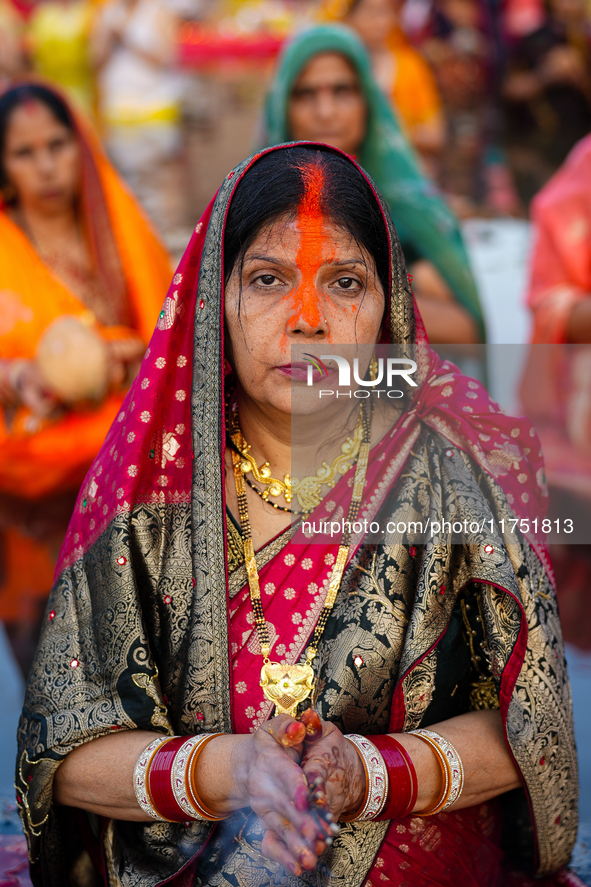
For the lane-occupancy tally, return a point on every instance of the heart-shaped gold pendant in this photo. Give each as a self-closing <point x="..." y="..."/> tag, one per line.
<point x="286" y="685"/>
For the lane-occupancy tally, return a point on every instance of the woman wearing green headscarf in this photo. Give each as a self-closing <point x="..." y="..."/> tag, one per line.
<point x="324" y="91"/>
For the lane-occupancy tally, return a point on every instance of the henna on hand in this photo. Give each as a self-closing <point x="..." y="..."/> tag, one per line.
<point x="287" y="733"/>
<point x="333" y="767"/>
<point x="276" y="790"/>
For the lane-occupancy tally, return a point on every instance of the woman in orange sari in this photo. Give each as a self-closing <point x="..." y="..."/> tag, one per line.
<point x="74" y="250"/>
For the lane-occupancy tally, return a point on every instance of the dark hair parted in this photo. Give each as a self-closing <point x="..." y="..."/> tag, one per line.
<point x="273" y="188"/>
<point x="21" y="95"/>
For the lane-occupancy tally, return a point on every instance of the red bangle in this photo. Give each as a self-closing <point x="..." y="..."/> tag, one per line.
<point x="159" y="781"/>
<point x="413" y="777"/>
<point x="402" y="778"/>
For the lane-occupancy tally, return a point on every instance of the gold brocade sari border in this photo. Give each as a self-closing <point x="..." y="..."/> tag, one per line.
<point x="208" y="530"/>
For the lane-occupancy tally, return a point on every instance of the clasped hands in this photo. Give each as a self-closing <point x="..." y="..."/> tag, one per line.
<point x="291" y="766"/>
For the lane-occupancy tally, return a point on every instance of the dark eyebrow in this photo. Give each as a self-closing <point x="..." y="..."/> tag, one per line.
<point x="353" y="261"/>
<point x="270" y="259"/>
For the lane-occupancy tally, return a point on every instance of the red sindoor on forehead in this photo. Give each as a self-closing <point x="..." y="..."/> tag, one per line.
<point x="31" y="104"/>
<point x="314" y="179"/>
<point x="312" y="251"/>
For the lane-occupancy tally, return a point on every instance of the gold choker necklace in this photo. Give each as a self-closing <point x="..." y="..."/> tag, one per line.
<point x="307" y="491"/>
<point x="288" y="685"/>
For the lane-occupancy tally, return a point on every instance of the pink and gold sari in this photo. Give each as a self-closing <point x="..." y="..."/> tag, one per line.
<point x="149" y="623"/>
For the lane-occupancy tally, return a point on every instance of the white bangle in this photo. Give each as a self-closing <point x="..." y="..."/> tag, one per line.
<point x="451" y="769"/>
<point x="376" y="774"/>
<point x="180" y="778"/>
<point x="140" y="778"/>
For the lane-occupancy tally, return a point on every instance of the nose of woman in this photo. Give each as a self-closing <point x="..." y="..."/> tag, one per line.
<point x="307" y="317"/>
<point x="326" y="106"/>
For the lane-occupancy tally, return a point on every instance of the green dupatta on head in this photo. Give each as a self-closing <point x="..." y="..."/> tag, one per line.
<point x="422" y="218"/>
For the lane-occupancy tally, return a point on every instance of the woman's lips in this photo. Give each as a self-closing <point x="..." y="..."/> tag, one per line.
<point x="298" y="372"/>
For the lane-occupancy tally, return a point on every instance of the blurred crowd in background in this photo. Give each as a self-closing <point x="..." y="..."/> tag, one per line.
<point x="459" y="109"/>
<point x="492" y="93"/>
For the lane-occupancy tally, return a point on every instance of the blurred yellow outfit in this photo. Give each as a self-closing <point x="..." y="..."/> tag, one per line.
<point x="58" y="35"/>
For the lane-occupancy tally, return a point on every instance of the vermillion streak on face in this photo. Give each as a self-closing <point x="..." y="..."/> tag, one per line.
<point x="315" y="249"/>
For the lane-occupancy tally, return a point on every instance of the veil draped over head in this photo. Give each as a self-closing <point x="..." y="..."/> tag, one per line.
<point x="137" y="629"/>
<point x="99" y="189"/>
<point x="424" y="222"/>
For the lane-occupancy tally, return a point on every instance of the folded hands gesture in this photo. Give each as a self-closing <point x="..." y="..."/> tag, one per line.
<point x="302" y="776"/>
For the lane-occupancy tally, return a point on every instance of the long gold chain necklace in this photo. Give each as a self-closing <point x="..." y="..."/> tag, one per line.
<point x="288" y="685"/>
<point x="308" y="490"/>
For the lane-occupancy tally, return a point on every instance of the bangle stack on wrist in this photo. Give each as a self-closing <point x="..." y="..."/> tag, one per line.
<point x="391" y="780"/>
<point x="163" y="779"/>
<point x="451" y="767"/>
<point x="402" y="777"/>
<point x="376" y="780"/>
<point x="141" y="784"/>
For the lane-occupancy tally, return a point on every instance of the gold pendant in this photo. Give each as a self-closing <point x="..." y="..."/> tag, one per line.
<point x="286" y="685"/>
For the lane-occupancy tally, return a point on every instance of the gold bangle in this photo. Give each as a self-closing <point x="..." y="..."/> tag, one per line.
<point x="201" y="810"/>
<point x="376" y="780"/>
<point x="451" y="768"/>
<point x="445" y="773"/>
<point x="456" y="768"/>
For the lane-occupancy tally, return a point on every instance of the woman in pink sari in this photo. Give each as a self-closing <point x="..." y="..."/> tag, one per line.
<point x="201" y="663"/>
<point x="556" y="388"/>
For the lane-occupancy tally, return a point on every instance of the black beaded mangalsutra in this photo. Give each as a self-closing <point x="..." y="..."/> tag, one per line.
<point x="268" y="501"/>
<point x="288" y="685"/>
